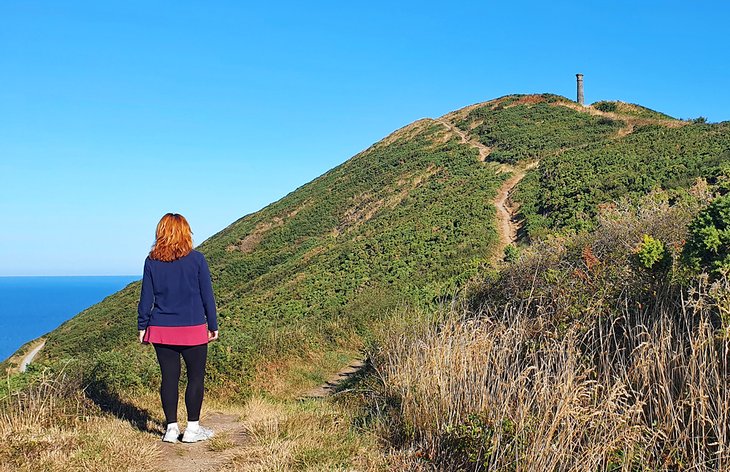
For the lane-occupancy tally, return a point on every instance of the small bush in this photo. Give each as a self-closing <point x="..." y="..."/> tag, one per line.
<point x="605" y="106"/>
<point x="650" y="252"/>
<point x="511" y="253"/>
<point x="708" y="246"/>
<point x="111" y="374"/>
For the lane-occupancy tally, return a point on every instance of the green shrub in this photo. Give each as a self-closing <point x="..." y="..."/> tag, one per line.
<point x="650" y="252"/>
<point x="709" y="237"/>
<point x="472" y="440"/>
<point x="605" y="106"/>
<point x="569" y="188"/>
<point x="111" y="373"/>
<point x="511" y="253"/>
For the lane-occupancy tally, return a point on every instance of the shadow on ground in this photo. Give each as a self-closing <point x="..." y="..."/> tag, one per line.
<point x="139" y="418"/>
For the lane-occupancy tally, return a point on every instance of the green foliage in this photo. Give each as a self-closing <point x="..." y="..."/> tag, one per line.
<point x="650" y="252"/>
<point x="551" y="128"/>
<point x="111" y="373"/>
<point x="400" y="223"/>
<point x="577" y="274"/>
<point x="605" y="106"/>
<point x="568" y="188"/>
<point x="511" y="253"/>
<point x="708" y="245"/>
<point x="473" y="438"/>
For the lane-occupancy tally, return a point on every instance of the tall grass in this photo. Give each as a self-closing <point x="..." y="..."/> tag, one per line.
<point x="575" y="359"/>
<point x="51" y="425"/>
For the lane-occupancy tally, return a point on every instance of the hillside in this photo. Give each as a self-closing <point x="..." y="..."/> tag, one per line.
<point x="404" y="222"/>
<point x="603" y="347"/>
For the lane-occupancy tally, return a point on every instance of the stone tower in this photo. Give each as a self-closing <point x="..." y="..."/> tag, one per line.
<point x="580" y="87"/>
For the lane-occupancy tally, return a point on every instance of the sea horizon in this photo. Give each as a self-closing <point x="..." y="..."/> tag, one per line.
<point x="33" y="305"/>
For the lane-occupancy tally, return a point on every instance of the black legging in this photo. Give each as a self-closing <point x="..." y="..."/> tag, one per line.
<point x="169" y="358"/>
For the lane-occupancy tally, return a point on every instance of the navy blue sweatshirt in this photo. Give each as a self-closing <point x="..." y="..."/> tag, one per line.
<point x="177" y="293"/>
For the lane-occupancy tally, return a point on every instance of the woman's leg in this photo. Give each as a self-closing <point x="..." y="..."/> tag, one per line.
<point x="169" y="359"/>
<point x="195" y="357"/>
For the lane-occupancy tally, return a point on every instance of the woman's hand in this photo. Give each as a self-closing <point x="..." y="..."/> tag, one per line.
<point x="212" y="335"/>
<point x="141" y="335"/>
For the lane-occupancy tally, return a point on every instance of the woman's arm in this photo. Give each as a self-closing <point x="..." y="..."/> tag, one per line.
<point x="206" y="292"/>
<point x="146" y="298"/>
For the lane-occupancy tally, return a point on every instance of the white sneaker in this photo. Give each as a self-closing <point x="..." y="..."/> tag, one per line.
<point x="201" y="434"/>
<point x="171" y="435"/>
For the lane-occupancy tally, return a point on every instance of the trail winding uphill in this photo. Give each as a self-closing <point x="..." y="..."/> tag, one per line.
<point x="23" y="366"/>
<point x="507" y="225"/>
<point x="484" y="151"/>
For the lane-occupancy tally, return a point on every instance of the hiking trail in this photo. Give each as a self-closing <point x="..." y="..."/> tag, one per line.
<point x="206" y="456"/>
<point x="330" y="386"/>
<point x="507" y="224"/>
<point x="23" y="366"/>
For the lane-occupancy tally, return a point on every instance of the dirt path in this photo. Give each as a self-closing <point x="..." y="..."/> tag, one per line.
<point x="484" y="151"/>
<point x="206" y="456"/>
<point x="30" y="356"/>
<point x="631" y="121"/>
<point x="507" y="224"/>
<point x="330" y="386"/>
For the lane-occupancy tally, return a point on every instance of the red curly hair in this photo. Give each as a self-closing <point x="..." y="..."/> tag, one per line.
<point x="173" y="238"/>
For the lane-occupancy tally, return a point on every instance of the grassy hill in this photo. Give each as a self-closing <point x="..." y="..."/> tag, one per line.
<point x="404" y="222"/>
<point x="568" y="188"/>
<point x="363" y="258"/>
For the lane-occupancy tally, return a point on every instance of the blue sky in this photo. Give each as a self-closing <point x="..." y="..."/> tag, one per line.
<point x="113" y="113"/>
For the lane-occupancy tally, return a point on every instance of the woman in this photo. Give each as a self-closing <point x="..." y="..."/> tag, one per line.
<point x="176" y="313"/>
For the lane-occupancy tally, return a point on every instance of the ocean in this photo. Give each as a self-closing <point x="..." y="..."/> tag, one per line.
<point x="33" y="306"/>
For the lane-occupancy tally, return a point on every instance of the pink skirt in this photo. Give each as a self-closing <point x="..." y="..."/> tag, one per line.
<point x="177" y="335"/>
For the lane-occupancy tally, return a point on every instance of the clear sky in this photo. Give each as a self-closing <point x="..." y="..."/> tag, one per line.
<point x="113" y="113"/>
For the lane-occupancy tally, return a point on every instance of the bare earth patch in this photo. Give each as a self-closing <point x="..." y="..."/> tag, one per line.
<point x="252" y="240"/>
<point x="365" y="206"/>
<point x="230" y="439"/>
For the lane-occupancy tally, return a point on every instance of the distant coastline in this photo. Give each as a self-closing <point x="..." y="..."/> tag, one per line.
<point x="33" y="305"/>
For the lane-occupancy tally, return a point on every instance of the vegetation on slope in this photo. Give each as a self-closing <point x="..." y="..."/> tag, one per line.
<point x="630" y="109"/>
<point x="565" y="192"/>
<point x="403" y="222"/>
<point x="303" y="283"/>
<point x="532" y="126"/>
<point x="577" y="357"/>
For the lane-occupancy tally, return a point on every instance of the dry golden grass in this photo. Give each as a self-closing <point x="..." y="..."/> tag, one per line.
<point x="52" y="426"/>
<point x="513" y="394"/>
<point x="221" y="442"/>
<point x="290" y="377"/>
<point x="315" y="435"/>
